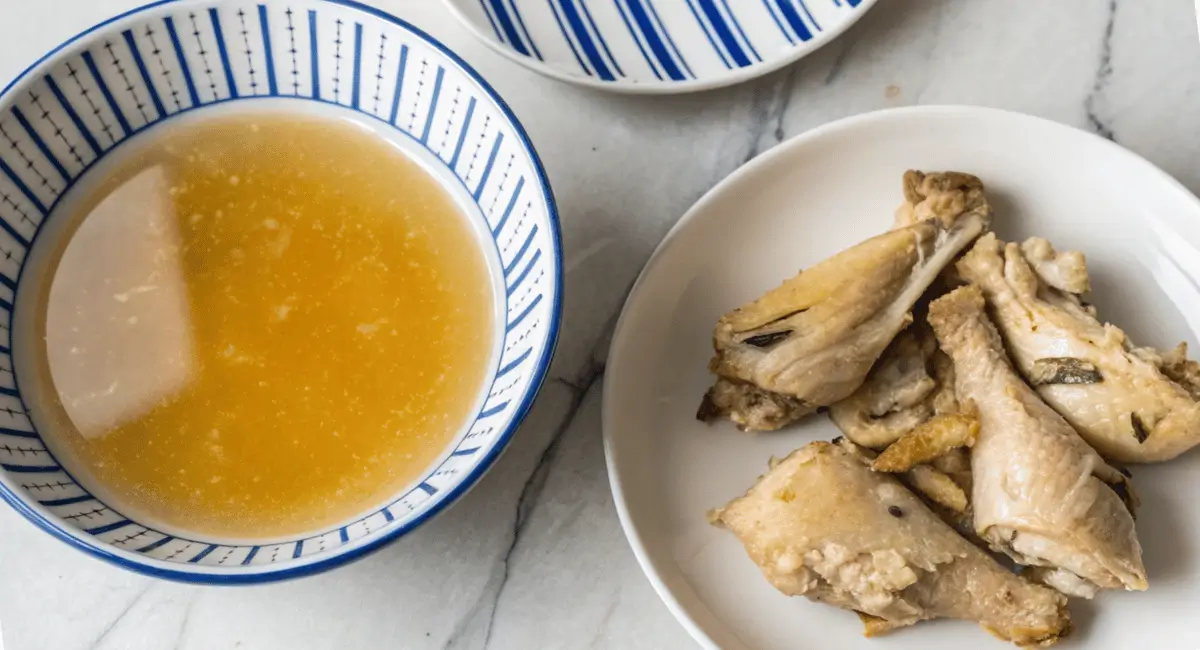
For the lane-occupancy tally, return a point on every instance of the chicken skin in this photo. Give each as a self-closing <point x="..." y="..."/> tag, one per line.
<point x="1039" y="493"/>
<point x="822" y="524"/>
<point x="1133" y="404"/>
<point x="812" y="341"/>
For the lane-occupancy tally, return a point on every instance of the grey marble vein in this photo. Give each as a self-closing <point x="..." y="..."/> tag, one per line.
<point x="574" y="581"/>
<point x="480" y="618"/>
<point x="187" y="619"/>
<point x="766" y="113"/>
<point x="602" y="626"/>
<point x="845" y="47"/>
<point x="536" y="482"/>
<point x="116" y="620"/>
<point x="1104" y="72"/>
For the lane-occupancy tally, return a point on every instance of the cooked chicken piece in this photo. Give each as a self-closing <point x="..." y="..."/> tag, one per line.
<point x="1039" y="491"/>
<point x="1132" y="404"/>
<point x="942" y="196"/>
<point x="932" y="438"/>
<point x="823" y="525"/>
<point x="1180" y="369"/>
<point x="908" y="395"/>
<point x="814" y="338"/>
<point x="1062" y="580"/>
<point x="938" y="487"/>
<point x="944" y="491"/>
<point x="750" y="407"/>
<point x="912" y="382"/>
<point x="1066" y="271"/>
<point x="957" y="465"/>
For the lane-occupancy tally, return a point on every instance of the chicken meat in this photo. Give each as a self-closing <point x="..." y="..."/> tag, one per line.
<point x="1132" y="404"/>
<point x="910" y="383"/>
<point x="1039" y="494"/>
<point x="811" y="341"/>
<point x="822" y="524"/>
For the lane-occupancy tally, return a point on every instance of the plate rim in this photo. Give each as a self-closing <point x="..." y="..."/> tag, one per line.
<point x="609" y="403"/>
<point x="734" y="77"/>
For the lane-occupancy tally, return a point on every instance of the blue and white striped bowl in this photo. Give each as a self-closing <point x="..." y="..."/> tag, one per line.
<point x="119" y="82"/>
<point x="657" y="46"/>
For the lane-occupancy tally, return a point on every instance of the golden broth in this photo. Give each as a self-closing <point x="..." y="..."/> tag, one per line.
<point x="265" y="325"/>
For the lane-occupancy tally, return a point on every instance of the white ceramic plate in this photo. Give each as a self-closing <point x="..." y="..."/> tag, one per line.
<point x="656" y="46"/>
<point x="817" y="194"/>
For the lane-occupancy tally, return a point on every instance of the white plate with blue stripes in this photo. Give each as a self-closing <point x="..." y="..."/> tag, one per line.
<point x="657" y="46"/>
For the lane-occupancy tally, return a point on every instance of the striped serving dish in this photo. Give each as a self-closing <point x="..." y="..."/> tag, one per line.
<point x="118" y="82"/>
<point x="657" y="46"/>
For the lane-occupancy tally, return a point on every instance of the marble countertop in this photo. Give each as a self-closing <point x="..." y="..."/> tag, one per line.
<point x="534" y="556"/>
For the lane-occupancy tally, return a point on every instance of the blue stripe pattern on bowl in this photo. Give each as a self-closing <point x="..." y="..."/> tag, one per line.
<point x="85" y="99"/>
<point x="657" y="43"/>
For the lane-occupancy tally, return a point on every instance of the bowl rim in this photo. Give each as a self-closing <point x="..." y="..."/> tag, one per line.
<point x="733" y="77"/>
<point x="245" y="576"/>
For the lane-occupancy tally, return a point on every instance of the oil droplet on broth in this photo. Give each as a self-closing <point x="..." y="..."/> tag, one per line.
<point x="243" y="311"/>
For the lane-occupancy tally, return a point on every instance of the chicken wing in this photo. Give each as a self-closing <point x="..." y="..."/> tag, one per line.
<point x="813" y="339"/>
<point x="821" y="524"/>
<point x="1039" y="492"/>
<point x="1132" y="404"/>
